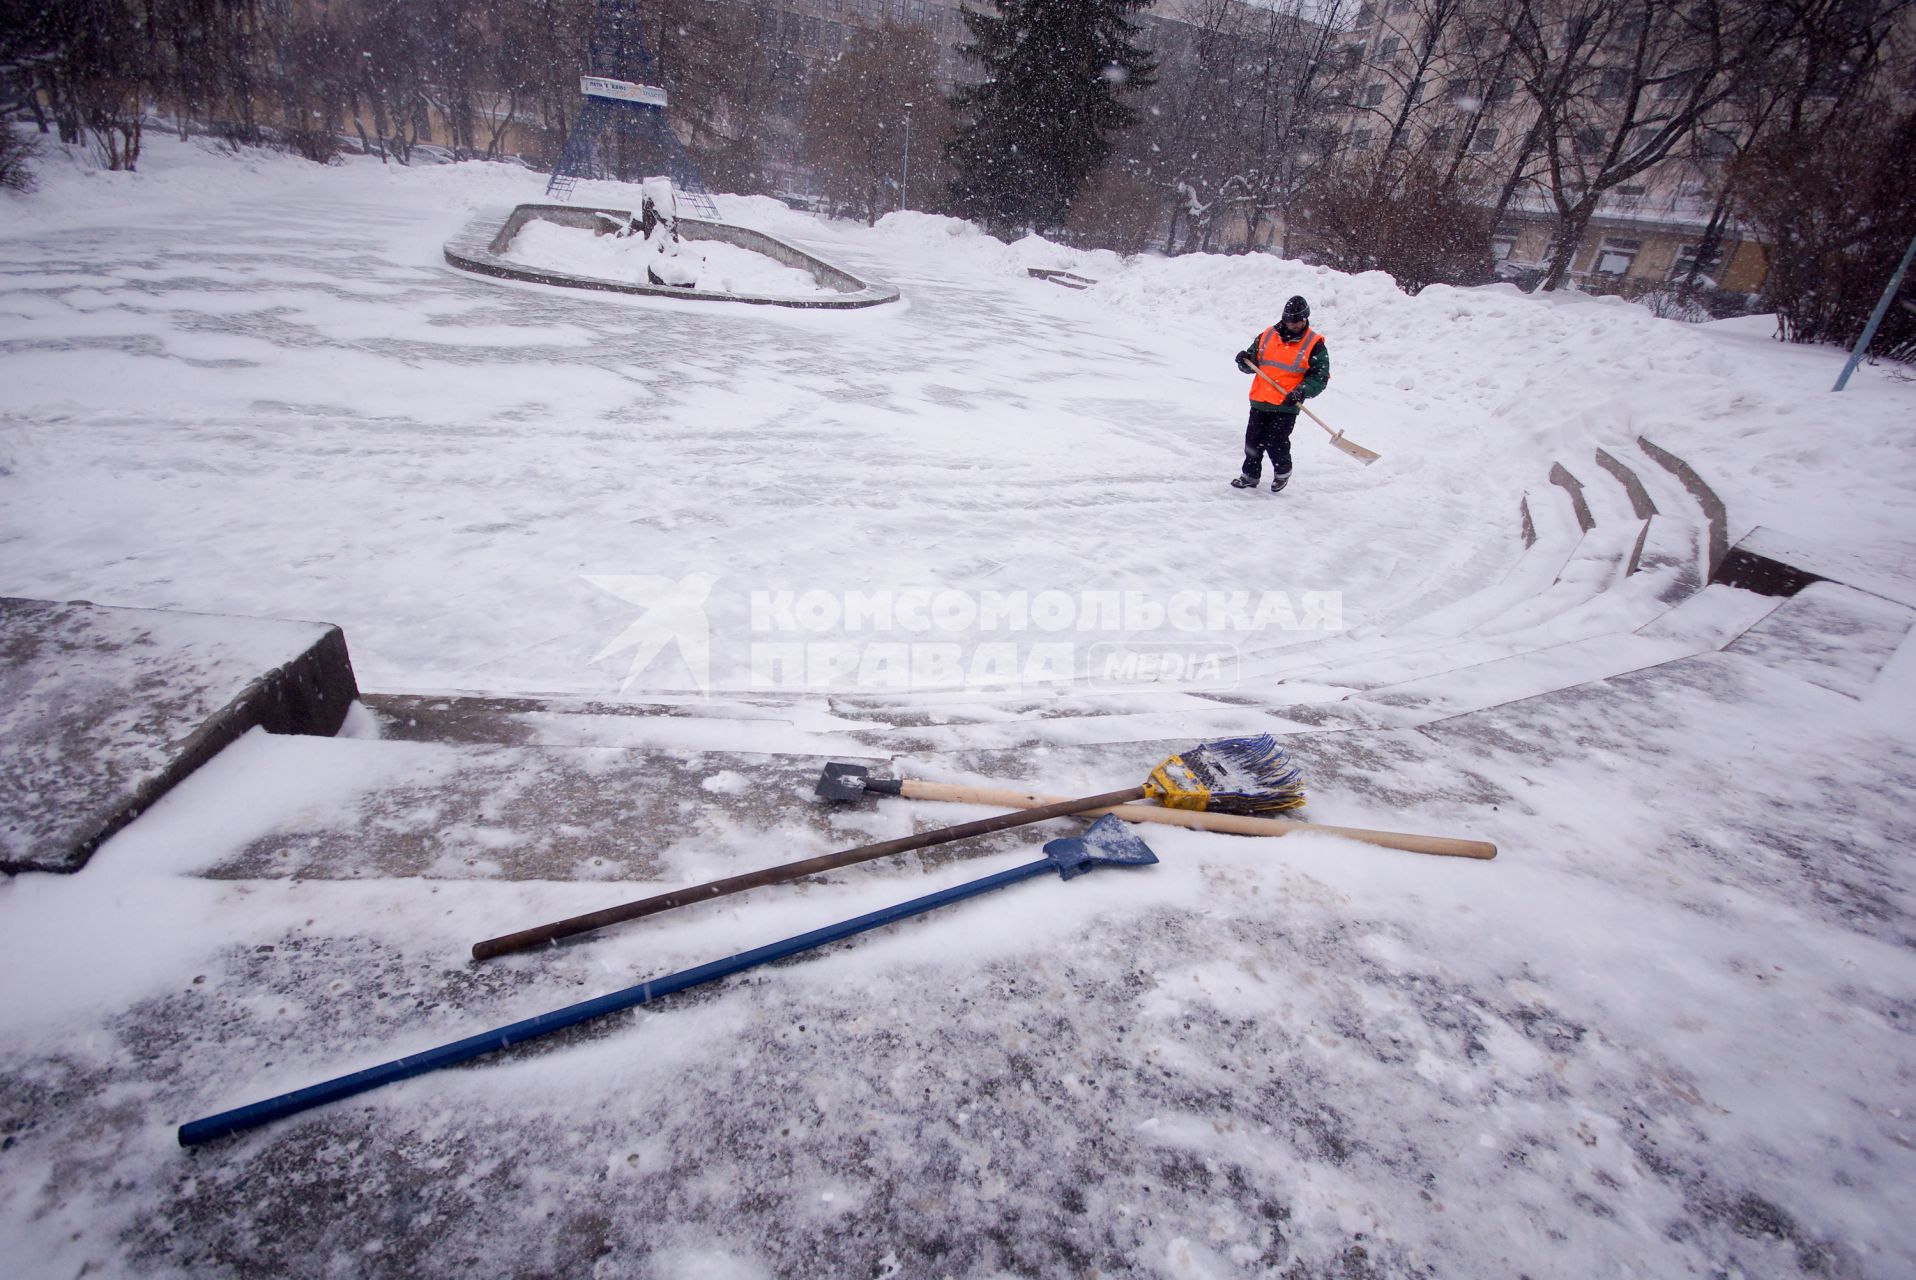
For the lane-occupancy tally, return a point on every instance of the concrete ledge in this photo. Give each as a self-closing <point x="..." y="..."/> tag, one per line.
<point x="481" y="247"/>
<point x="1056" y="275"/>
<point x="103" y="711"/>
<point x="1560" y="476"/>
<point x="1632" y="483"/>
<point x="1714" y="511"/>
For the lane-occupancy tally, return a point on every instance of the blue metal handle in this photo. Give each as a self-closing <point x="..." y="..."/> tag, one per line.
<point x="286" y="1104"/>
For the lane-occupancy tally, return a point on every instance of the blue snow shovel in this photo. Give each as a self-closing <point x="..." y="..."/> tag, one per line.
<point x="1107" y="843"/>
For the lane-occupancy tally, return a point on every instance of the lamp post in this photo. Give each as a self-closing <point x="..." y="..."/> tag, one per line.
<point x="1876" y="317"/>
<point x="904" y="184"/>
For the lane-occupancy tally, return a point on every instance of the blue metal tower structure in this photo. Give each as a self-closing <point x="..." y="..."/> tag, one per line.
<point x="621" y="131"/>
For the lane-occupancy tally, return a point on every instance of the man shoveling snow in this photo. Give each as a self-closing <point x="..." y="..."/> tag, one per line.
<point x="1289" y="364"/>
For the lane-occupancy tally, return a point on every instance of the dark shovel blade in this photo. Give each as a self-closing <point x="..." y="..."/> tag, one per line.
<point x="842" y="782"/>
<point x="1105" y="843"/>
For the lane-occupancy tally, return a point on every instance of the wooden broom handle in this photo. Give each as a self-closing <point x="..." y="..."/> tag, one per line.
<point x="1443" y="846"/>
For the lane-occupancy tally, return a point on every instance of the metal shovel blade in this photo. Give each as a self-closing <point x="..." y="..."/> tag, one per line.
<point x="842" y="782"/>
<point x="1105" y="843"/>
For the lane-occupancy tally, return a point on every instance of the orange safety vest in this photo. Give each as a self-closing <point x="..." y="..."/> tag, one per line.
<point x="1284" y="363"/>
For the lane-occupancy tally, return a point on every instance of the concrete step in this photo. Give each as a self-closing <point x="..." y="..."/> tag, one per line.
<point x="771" y="725"/>
<point x="1542" y="601"/>
<point x="103" y="711"/>
<point x="1834" y="636"/>
<point x="1709" y="620"/>
<point x="356" y="808"/>
<point x="1676" y="487"/>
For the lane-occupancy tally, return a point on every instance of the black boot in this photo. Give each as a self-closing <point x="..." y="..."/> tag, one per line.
<point x="1278" y="480"/>
<point x="1244" y="482"/>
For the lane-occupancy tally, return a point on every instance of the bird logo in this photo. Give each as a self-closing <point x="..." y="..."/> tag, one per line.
<point x="674" y="615"/>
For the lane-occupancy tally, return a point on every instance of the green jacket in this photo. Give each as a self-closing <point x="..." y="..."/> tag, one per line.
<point x="1317" y="374"/>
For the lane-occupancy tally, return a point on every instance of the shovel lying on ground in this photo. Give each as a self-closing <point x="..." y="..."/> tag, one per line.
<point x="853" y="782"/>
<point x="1338" y="441"/>
<point x="1232" y="775"/>
<point x="1107" y="844"/>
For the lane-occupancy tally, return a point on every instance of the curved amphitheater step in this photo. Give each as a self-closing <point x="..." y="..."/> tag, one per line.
<point x="1589" y="598"/>
<point x="1600" y="557"/>
<point x="1609" y="545"/>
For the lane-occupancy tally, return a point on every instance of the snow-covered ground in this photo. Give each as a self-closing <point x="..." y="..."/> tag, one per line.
<point x="1666" y="1033"/>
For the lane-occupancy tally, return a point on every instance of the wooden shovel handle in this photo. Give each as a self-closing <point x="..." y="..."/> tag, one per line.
<point x="1055" y="807"/>
<point x="1301" y="406"/>
<point x="1443" y="846"/>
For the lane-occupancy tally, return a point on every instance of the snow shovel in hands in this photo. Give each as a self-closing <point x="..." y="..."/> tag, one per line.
<point x="1232" y="775"/>
<point x="854" y="782"/>
<point x="1351" y="447"/>
<point x="1107" y="844"/>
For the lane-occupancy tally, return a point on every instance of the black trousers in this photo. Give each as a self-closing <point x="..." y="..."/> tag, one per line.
<point x="1268" y="431"/>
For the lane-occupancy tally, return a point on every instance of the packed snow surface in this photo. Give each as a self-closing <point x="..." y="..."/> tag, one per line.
<point x="1667" y="1032"/>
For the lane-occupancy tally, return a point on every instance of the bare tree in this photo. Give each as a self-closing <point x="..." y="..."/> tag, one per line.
<point x="1807" y="89"/>
<point x="853" y="141"/>
<point x="1830" y="189"/>
<point x="1190" y="141"/>
<point x="210" y="59"/>
<point x="314" y="70"/>
<point x="1410" y="73"/>
<point x="94" y="65"/>
<point x="737" y="83"/>
<point x="1619" y="85"/>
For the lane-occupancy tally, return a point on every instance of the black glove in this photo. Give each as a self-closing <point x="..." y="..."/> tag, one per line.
<point x="1293" y="400"/>
<point x="1245" y="364"/>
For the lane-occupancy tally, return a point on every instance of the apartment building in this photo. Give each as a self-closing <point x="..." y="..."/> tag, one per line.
<point x="1645" y="233"/>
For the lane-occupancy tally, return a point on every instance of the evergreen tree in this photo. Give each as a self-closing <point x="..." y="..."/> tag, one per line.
<point x="1044" y="117"/>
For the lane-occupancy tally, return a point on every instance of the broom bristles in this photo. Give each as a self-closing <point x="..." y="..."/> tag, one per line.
<point x="1232" y="775"/>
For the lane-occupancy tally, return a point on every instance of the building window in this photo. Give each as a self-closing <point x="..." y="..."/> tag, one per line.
<point x="1360" y="140"/>
<point x="1716" y="144"/>
<point x="1615" y="256"/>
<point x="1399" y="6"/>
<point x="1365" y="16"/>
<point x="1691" y="256"/>
<point x="1389" y="45"/>
<point x="1483" y="140"/>
<point x="1502" y="245"/>
<point x="1373" y="94"/>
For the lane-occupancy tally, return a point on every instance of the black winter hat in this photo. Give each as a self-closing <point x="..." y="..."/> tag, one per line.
<point x="1297" y="308"/>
